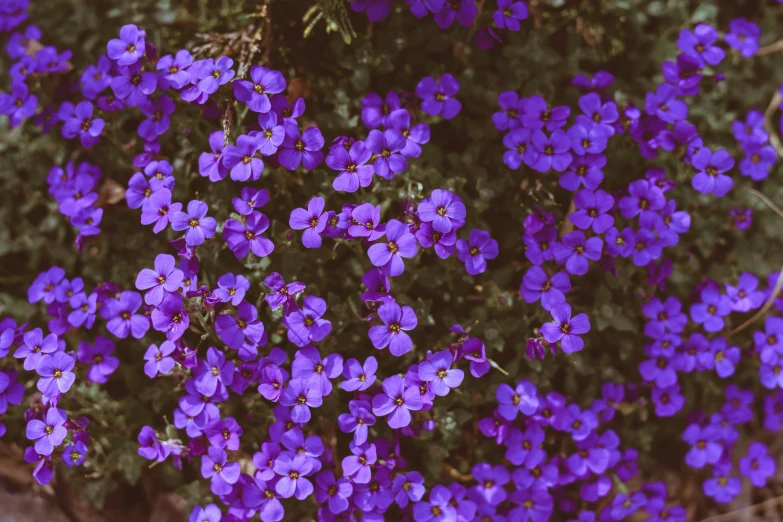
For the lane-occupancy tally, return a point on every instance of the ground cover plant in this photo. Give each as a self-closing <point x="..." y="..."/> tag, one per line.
<point x="383" y="260"/>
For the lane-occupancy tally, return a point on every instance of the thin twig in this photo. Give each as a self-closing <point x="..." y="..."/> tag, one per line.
<point x="766" y="201"/>
<point x="771" y="48"/>
<point x="737" y="514"/>
<point x="773" y="296"/>
<point x="774" y="139"/>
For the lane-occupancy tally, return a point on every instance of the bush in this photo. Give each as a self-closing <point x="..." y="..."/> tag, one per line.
<point x="423" y="362"/>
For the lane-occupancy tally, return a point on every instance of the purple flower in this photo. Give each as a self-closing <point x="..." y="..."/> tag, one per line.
<point x="121" y="316"/>
<point x="589" y="139"/>
<point x="222" y="474"/>
<point x="711" y="310"/>
<point x="159" y="360"/>
<point x="357" y="466"/>
<point x="244" y="238"/>
<point x="583" y="170"/>
<point x="82" y="124"/>
<point x="397" y="320"/>
<point x="245" y="327"/>
<point x="744" y="36"/>
<point x="98" y="356"/>
<point x="758" y="161"/>
<point x="700" y="44"/>
<point x="711" y="166"/>
<point x="443" y="243"/>
<point x="158" y="120"/>
<point x="517" y="141"/>
<point x="538" y="115"/>
<point x="537" y="285"/>
<point x="415" y="136"/>
<point x="566" y="329"/>
<point x="357" y="421"/>
<point x="304" y="148"/>
<point x="211" y="513"/>
<point x="464" y="11"/>
<point x="387" y="145"/>
<point x="282" y="294"/>
<point x="644" y="200"/>
<point x="664" y="104"/>
<point x="668" y="401"/>
<point x="302" y="394"/>
<point x="74" y="455"/>
<point x="56" y="375"/>
<point x="256" y="93"/>
<point x="351" y="165"/>
<point x="443" y="209"/>
<point x="684" y="76"/>
<point x="533" y="505"/>
<point x="552" y="151"/>
<point x="35" y="347"/>
<point x="523" y="398"/>
<point x="757" y="464"/>
<point x="705" y="446"/>
<point x="241" y="160"/>
<point x="375" y="9"/>
<point x="48" y="433"/>
<point x="376" y="111"/>
<point x="129" y="47"/>
<point x="476" y="251"/>
<point x="198" y="227"/>
<point x="231" y="288"/>
<point x="211" y="74"/>
<point x="645" y="247"/>
<point x="292" y="473"/>
<point x="593" y="208"/>
<point x="721" y="487"/>
<point x="437" y="96"/>
<point x="159" y="209"/>
<point x="84" y="309"/>
<point x="359" y="377"/>
<point x="575" y="250"/>
<point x="438" y="373"/>
<point x="745" y="296"/>
<point x="312" y="221"/>
<point x="164" y="278"/>
<point x="173" y="70"/>
<point x="396" y="401"/>
<point x="171" y="317"/>
<point x="408" y="487"/>
<point x="306" y="325"/>
<point x="133" y="86"/>
<point x="261" y="495"/>
<point x="210" y="164"/>
<point x="439" y="508"/>
<point x="597" y="112"/>
<point x="389" y="256"/>
<point x="509" y="13"/>
<point x="337" y="492"/>
<point x="19" y="104"/>
<point x="721" y="357"/>
<point x="365" y="221"/>
<point x="309" y="365"/>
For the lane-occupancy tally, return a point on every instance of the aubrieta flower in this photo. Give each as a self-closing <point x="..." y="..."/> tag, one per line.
<point x="745" y="296"/>
<point x="35" y="347"/>
<point x="244" y="238"/>
<point x="397" y="320"/>
<point x="132" y="85"/>
<point x="510" y="115"/>
<point x="44" y="287"/>
<point x="129" y="47"/>
<point x="722" y="487"/>
<point x="517" y="141"/>
<point x="439" y="374"/>
<point x="159" y="209"/>
<point x="74" y="455"/>
<point x="389" y="256"/>
<point x="307" y="325"/>
<point x="164" y="278"/>
<point x="302" y="394"/>
<point x="444" y="209"/>
<point x="743" y="36"/>
<point x="159" y="360"/>
<point x="377" y="111"/>
<point x="195" y="222"/>
<point x="122" y="317"/>
<point x="705" y="446"/>
<point x="210" y="513"/>
<point x="475" y="252"/>
<point x="553" y="151"/>
<point x="536" y="284"/>
<point x="56" y="375"/>
<point x="171" y="317"/>
<point x="210" y="164"/>
<point x="574" y="251"/>
<point x="645" y="199"/>
<point x="593" y="208"/>
<point x="356" y="467"/>
<point x="523" y="398"/>
<point x="158" y="121"/>
<point x="396" y="401"/>
<point x="241" y="161"/>
<point x="231" y="288"/>
<point x="387" y="147"/>
<point x="757" y="465"/>
<point x="566" y="329"/>
<point x="352" y="167"/>
<point x="19" y="104"/>
<point x="82" y="124"/>
<point x="751" y="131"/>
<point x="437" y="96"/>
<point x="664" y="104"/>
<point x="359" y="377"/>
<point x="304" y="148"/>
<point x="758" y="161"/>
<point x="701" y="44"/>
<point x="365" y="221"/>
<point x="255" y="93"/>
<point x="711" y="310"/>
<point x="221" y="473"/>
<point x="415" y="136"/>
<point x="99" y="356"/>
<point x="336" y="493"/>
<point x="173" y="70"/>
<point x="49" y="432"/>
<point x="309" y="365"/>
<point x="312" y="220"/>
<point x="245" y="327"/>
